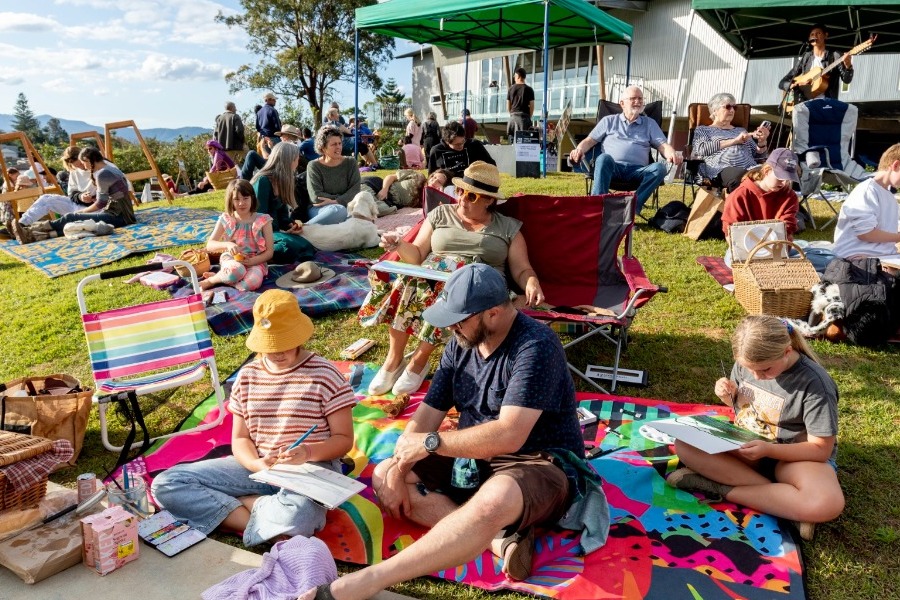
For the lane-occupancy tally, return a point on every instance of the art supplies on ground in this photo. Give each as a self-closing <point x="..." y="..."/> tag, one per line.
<point x="707" y="433"/>
<point x="159" y="280"/>
<point x="585" y="417"/>
<point x="321" y="485"/>
<point x="167" y="534"/>
<point x="402" y="268"/>
<point x="356" y="349"/>
<point x="110" y="540"/>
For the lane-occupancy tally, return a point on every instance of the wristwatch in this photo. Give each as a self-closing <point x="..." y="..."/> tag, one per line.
<point x="432" y="442"/>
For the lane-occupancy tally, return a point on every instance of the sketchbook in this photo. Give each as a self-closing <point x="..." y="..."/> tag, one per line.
<point x="402" y="268"/>
<point x="317" y="483"/>
<point x="707" y="433"/>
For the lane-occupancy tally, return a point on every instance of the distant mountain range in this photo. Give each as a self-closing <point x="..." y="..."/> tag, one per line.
<point x="161" y="133"/>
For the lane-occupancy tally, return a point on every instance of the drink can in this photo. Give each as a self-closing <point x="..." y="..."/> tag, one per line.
<point x="87" y="485"/>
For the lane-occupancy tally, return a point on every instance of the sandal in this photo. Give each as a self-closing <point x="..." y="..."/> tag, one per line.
<point x="323" y="592"/>
<point x="517" y="552"/>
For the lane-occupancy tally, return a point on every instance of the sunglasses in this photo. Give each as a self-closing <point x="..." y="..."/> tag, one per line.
<point x="729" y="106"/>
<point x="474" y="197"/>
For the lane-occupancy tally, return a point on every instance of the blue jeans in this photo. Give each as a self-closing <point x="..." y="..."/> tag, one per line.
<point x="252" y="162"/>
<point x="330" y="214"/>
<point x="102" y="216"/>
<point x="650" y="177"/>
<point x="204" y="493"/>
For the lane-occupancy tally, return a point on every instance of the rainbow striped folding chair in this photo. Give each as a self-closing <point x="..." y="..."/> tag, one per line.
<point x="142" y="349"/>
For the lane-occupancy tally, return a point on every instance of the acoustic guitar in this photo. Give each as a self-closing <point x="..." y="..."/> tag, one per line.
<point x="815" y="81"/>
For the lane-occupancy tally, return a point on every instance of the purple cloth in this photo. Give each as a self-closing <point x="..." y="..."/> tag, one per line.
<point x="289" y="569"/>
<point x="222" y="162"/>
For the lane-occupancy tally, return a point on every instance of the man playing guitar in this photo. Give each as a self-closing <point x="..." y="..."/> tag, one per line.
<point x="817" y="56"/>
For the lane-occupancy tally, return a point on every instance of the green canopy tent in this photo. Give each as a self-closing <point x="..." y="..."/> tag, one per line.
<point x="472" y="25"/>
<point x="777" y="28"/>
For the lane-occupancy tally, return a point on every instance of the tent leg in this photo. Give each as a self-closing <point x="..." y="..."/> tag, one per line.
<point x="356" y="96"/>
<point x="544" y="112"/>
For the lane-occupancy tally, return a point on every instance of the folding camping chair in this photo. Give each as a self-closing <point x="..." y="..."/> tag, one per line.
<point x="586" y="262"/>
<point x="146" y="348"/>
<point x="605" y="108"/>
<point x="823" y="130"/>
<point x="698" y="114"/>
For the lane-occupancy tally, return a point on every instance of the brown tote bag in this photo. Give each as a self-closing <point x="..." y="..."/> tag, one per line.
<point x="55" y="407"/>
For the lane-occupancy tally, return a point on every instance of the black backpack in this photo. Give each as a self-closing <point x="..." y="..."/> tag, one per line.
<point x="672" y="217"/>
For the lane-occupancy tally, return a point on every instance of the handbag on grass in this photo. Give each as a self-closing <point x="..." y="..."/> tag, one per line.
<point x="55" y="407"/>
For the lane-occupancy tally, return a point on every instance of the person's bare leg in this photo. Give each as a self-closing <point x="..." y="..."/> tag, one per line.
<point x="420" y="357"/>
<point x="455" y="540"/>
<point x="238" y="518"/>
<point x="396" y="348"/>
<point x="803" y="491"/>
<point x="724" y="467"/>
<point x="425" y="510"/>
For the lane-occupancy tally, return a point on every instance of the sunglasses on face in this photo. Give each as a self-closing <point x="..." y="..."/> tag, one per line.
<point x="729" y="106"/>
<point x="474" y="198"/>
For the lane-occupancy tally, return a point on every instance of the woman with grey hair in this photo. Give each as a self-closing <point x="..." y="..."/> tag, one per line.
<point x="727" y="151"/>
<point x="274" y="189"/>
<point x="332" y="179"/>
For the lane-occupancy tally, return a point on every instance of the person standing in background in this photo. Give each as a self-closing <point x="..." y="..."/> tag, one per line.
<point x="230" y="132"/>
<point x="520" y="104"/>
<point x="267" y="119"/>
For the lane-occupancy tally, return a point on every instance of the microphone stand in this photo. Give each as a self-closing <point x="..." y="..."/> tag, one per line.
<point x="782" y="104"/>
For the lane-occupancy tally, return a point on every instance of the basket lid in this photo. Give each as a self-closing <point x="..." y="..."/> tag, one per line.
<point x="16" y="446"/>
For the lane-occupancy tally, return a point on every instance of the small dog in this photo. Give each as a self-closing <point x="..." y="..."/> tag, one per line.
<point x="358" y="231"/>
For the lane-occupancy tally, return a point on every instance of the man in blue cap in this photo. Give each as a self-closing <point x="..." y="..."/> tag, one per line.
<point x="486" y="484"/>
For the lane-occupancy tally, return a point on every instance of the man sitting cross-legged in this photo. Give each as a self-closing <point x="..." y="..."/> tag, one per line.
<point x="625" y="141"/>
<point x="486" y="484"/>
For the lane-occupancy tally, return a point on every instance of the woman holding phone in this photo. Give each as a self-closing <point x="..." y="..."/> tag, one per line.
<point x="728" y="151"/>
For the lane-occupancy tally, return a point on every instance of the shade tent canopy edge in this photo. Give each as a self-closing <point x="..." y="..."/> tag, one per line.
<point x="472" y="25"/>
<point x="775" y="28"/>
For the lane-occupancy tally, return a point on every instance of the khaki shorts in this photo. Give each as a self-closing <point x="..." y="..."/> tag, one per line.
<point x="544" y="486"/>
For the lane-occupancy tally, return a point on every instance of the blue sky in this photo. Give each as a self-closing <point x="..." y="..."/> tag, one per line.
<point x="159" y="62"/>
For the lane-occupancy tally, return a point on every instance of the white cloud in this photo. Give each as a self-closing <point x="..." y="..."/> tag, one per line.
<point x="159" y="66"/>
<point x="11" y="80"/>
<point x="60" y="85"/>
<point x="26" y="22"/>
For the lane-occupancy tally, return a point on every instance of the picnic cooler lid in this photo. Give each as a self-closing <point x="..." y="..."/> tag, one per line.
<point x="776" y="286"/>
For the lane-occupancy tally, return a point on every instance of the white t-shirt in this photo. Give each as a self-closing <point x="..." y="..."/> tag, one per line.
<point x="869" y="206"/>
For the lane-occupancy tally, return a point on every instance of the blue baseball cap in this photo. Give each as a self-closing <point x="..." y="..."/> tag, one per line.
<point x="470" y="290"/>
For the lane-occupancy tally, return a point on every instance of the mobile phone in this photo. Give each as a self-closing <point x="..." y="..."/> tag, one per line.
<point x="766" y="124"/>
<point x="219" y="298"/>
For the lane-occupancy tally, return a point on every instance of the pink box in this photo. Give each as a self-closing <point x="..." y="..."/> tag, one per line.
<point x="110" y="540"/>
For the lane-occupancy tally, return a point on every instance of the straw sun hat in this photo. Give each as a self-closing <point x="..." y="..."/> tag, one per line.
<point x="482" y="178"/>
<point x="278" y="323"/>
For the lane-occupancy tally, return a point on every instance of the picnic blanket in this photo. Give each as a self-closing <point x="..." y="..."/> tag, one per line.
<point x="157" y="227"/>
<point x="347" y="289"/>
<point x="407" y="216"/>
<point x="664" y="543"/>
<point x="718" y="270"/>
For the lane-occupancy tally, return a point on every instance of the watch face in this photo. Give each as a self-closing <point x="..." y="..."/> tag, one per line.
<point x="432" y="441"/>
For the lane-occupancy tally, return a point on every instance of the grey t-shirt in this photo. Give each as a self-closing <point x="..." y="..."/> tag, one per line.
<point x="626" y="142"/>
<point x="490" y="245"/>
<point x="340" y="182"/>
<point x="800" y="400"/>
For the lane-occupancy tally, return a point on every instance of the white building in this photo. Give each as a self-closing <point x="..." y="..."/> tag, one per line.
<point x="660" y="26"/>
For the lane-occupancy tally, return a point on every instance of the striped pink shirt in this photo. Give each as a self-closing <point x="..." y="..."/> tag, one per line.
<point x="279" y="408"/>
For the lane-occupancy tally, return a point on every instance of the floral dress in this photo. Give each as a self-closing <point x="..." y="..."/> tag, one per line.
<point x="400" y="303"/>
<point x="250" y="242"/>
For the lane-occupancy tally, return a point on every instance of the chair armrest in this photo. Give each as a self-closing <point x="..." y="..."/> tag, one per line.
<point x="642" y="289"/>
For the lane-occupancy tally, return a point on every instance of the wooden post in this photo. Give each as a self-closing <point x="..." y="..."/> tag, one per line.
<point x="601" y="72"/>
<point x="440" y="81"/>
<point x="88" y="135"/>
<point x="20" y="200"/>
<point x="138" y="175"/>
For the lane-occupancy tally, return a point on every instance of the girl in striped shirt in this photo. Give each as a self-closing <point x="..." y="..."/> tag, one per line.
<point x="275" y="399"/>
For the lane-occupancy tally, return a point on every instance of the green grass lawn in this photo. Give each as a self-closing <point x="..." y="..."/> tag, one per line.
<point x="679" y="338"/>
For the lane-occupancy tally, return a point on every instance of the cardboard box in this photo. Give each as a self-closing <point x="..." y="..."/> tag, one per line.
<point x="110" y="540"/>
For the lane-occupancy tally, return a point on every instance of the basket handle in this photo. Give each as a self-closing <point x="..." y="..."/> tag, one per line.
<point x="777" y="244"/>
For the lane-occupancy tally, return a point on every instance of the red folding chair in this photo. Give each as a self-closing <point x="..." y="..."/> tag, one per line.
<point x="580" y="248"/>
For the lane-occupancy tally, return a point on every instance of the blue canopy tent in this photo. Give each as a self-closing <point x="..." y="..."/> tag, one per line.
<point x="472" y="25"/>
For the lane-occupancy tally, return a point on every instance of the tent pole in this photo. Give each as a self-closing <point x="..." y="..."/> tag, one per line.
<point x="356" y="96"/>
<point x="687" y="41"/>
<point x="544" y="111"/>
<point x="465" y="85"/>
<point x="628" y="67"/>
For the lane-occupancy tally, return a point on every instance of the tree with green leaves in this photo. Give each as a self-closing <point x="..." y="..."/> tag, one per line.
<point x="25" y="121"/>
<point x="305" y="46"/>
<point x="390" y="93"/>
<point x="54" y="133"/>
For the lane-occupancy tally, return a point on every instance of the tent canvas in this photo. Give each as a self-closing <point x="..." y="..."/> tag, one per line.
<point x="775" y="28"/>
<point x="472" y="25"/>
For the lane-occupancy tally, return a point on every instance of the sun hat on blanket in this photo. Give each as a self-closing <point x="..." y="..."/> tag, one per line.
<point x="278" y="323"/>
<point x="306" y="274"/>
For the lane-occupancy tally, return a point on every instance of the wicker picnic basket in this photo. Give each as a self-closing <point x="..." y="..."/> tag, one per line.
<point x="220" y="179"/>
<point x="776" y="286"/>
<point x="199" y="258"/>
<point x="13" y="448"/>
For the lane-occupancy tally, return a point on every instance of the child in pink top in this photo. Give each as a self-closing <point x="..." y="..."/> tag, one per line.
<point x="412" y="153"/>
<point x="245" y="239"/>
